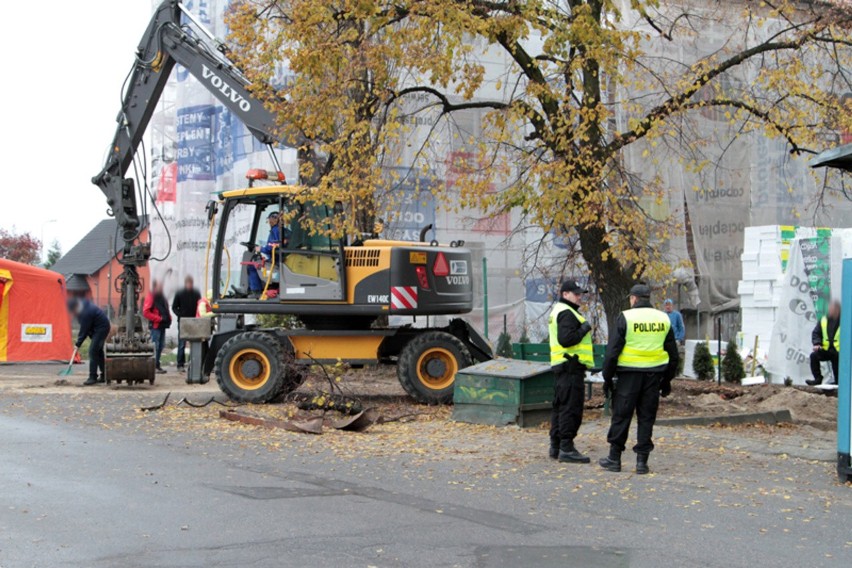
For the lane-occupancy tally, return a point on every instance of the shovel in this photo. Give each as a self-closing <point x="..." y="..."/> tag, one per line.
<point x="68" y="371"/>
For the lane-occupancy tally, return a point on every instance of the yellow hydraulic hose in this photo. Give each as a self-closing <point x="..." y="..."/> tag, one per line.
<point x="228" y="275"/>
<point x="207" y="253"/>
<point x="271" y="272"/>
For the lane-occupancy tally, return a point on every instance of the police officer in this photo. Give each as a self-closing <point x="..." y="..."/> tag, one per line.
<point x="826" y="340"/>
<point x="642" y="353"/>
<point x="571" y="354"/>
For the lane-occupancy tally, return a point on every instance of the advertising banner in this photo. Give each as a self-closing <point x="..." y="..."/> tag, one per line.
<point x="804" y="297"/>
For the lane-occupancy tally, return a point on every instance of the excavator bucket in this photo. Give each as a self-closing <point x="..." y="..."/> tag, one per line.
<point x="130" y="367"/>
<point x="130" y="357"/>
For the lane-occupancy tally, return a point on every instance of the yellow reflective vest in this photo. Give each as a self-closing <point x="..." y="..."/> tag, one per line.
<point x="647" y="329"/>
<point x="583" y="350"/>
<point x="825" y="341"/>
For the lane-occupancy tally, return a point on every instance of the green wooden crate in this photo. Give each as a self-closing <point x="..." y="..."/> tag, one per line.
<point x="504" y="391"/>
<point x="531" y="351"/>
<point x="541" y="352"/>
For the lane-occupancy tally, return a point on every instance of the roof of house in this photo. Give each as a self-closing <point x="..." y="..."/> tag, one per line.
<point x="93" y="251"/>
<point x="77" y="283"/>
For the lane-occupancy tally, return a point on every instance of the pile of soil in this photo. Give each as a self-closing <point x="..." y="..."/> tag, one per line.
<point x="805" y="407"/>
<point x="694" y="398"/>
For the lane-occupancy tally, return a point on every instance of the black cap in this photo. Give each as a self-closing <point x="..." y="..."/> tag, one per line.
<point x="273" y="214"/>
<point x="571" y="286"/>
<point x="640" y="291"/>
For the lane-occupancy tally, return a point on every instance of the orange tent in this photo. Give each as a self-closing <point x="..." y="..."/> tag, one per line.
<point x="34" y="322"/>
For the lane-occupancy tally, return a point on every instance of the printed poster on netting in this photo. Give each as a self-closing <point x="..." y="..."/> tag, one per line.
<point x="805" y="295"/>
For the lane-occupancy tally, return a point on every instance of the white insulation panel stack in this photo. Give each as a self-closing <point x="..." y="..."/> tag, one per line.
<point x="764" y="252"/>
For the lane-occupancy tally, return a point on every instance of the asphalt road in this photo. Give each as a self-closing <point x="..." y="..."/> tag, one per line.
<point x="75" y="493"/>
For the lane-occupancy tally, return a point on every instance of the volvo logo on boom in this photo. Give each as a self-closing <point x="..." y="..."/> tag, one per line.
<point x="224" y="88"/>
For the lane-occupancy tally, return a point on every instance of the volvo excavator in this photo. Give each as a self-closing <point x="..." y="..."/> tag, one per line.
<point x="338" y="288"/>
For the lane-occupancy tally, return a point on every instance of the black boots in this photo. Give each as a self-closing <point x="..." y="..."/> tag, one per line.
<point x="565" y="452"/>
<point x="99" y="380"/>
<point x="613" y="461"/>
<point x="554" y="450"/>
<point x="642" y="464"/>
<point x="569" y="454"/>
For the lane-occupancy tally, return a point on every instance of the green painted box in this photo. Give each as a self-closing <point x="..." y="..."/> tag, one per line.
<point x="541" y="352"/>
<point x="504" y="391"/>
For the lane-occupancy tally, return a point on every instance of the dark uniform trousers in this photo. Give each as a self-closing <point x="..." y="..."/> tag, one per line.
<point x="568" y="401"/>
<point x="96" y="352"/>
<point x="636" y="391"/>
<point x="818" y="357"/>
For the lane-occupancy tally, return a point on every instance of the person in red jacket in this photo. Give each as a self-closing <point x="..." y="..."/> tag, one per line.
<point x="156" y="311"/>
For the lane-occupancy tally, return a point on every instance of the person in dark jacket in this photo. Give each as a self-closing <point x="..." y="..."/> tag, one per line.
<point x="826" y="341"/>
<point x="571" y="355"/>
<point x="184" y="305"/>
<point x="156" y="311"/>
<point x="94" y="323"/>
<point x="642" y="353"/>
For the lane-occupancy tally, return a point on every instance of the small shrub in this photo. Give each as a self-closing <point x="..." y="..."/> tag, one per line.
<point x="702" y="363"/>
<point x="284" y="321"/>
<point x="504" y="345"/>
<point x="524" y="337"/>
<point x="733" y="370"/>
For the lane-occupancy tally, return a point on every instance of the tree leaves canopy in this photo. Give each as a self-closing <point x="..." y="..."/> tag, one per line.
<point x="583" y="81"/>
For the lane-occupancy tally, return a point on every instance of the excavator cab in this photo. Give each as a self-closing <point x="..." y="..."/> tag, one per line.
<point x="288" y="255"/>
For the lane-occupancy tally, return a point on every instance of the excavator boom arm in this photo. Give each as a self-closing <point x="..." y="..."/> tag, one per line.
<point x="167" y="42"/>
<point x="173" y="36"/>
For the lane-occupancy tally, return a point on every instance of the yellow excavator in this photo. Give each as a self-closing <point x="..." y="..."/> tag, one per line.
<point x="338" y="288"/>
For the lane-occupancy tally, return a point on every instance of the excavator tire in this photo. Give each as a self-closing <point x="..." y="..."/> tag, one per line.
<point x="251" y="367"/>
<point x="428" y="364"/>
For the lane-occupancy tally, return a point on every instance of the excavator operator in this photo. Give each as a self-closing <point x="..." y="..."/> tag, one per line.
<point x="278" y="237"/>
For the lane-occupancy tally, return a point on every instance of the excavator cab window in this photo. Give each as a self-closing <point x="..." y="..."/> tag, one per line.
<point x="286" y="251"/>
<point x="311" y="267"/>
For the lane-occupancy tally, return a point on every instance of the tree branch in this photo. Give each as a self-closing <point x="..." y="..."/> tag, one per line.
<point x="676" y="102"/>
<point x="763" y="115"/>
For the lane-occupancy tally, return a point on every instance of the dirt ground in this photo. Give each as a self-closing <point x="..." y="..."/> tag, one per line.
<point x="378" y="389"/>
<point x="426" y="434"/>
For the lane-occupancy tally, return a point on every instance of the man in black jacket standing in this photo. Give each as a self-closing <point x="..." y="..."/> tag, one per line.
<point x="185" y="305"/>
<point x="94" y="323"/>
<point x="571" y="354"/>
<point x="826" y="341"/>
<point x="642" y="353"/>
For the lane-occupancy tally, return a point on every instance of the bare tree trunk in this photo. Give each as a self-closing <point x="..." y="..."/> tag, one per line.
<point x="612" y="280"/>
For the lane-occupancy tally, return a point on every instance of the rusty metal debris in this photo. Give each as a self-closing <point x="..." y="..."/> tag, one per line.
<point x="308" y="426"/>
<point x="358" y="422"/>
